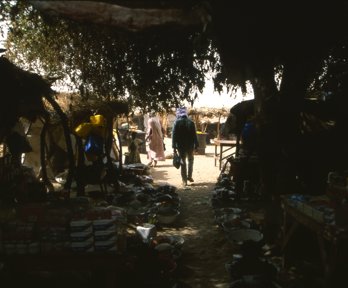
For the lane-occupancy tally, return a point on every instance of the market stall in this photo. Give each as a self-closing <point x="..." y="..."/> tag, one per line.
<point x="59" y="230"/>
<point x="317" y="214"/>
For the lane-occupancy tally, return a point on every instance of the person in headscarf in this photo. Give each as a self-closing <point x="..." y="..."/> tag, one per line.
<point x="185" y="142"/>
<point x="154" y="139"/>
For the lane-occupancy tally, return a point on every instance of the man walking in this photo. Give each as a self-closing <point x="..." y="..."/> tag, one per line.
<point x="184" y="141"/>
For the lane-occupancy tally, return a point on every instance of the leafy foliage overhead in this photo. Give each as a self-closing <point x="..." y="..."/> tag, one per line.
<point x="164" y="65"/>
<point x="156" y="70"/>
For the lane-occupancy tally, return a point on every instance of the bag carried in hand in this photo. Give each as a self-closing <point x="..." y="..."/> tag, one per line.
<point x="176" y="160"/>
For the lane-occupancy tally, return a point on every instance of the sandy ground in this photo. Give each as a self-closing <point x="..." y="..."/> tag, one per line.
<point x="206" y="249"/>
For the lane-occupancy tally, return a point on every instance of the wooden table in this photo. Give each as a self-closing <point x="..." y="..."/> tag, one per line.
<point x="329" y="237"/>
<point x="225" y="146"/>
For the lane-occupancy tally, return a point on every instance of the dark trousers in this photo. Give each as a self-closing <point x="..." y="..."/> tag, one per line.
<point x="186" y="169"/>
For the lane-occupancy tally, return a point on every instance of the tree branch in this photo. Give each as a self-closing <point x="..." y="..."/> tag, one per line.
<point x="131" y="19"/>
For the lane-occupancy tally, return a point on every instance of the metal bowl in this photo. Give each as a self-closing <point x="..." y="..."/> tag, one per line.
<point x="241" y="235"/>
<point x="168" y="219"/>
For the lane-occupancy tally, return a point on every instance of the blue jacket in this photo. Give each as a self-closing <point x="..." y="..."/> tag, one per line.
<point x="184" y="137"/>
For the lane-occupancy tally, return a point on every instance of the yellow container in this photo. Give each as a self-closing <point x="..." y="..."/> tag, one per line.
<point x="98" y="120"/>
<point x="84" y="129"/>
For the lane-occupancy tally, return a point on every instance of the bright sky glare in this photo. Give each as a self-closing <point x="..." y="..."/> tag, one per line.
<point x="211" y="99"/>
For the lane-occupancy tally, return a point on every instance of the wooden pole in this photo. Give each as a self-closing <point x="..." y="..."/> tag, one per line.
<point x="218" y="128"/>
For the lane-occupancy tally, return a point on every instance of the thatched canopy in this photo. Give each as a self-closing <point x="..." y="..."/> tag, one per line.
<point x="78" y="110"/>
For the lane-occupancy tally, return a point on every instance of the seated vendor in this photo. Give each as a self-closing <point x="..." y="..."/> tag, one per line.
<point x="133" y="150"/>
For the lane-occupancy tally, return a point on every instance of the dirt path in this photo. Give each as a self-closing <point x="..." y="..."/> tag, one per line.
<point x="206" y="250"/>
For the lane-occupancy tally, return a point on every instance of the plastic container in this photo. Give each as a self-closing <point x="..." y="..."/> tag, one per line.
<point x="80" y="226"/>
<point x="98" y="120"/>
<point x="104" y="235"/>
<point x="81" y="236"/>
<point x="83" y="130"/>
<point x="104" y="224"/>
<point x="83" y="246"/>
<point x="109" y="245"/>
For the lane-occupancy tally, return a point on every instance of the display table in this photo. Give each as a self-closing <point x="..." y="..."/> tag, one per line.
<point x="225" y="146"/>
<point x="329" y="237"/>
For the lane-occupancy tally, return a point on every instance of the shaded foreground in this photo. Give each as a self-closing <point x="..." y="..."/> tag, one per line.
<point x="206" y="250"/>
